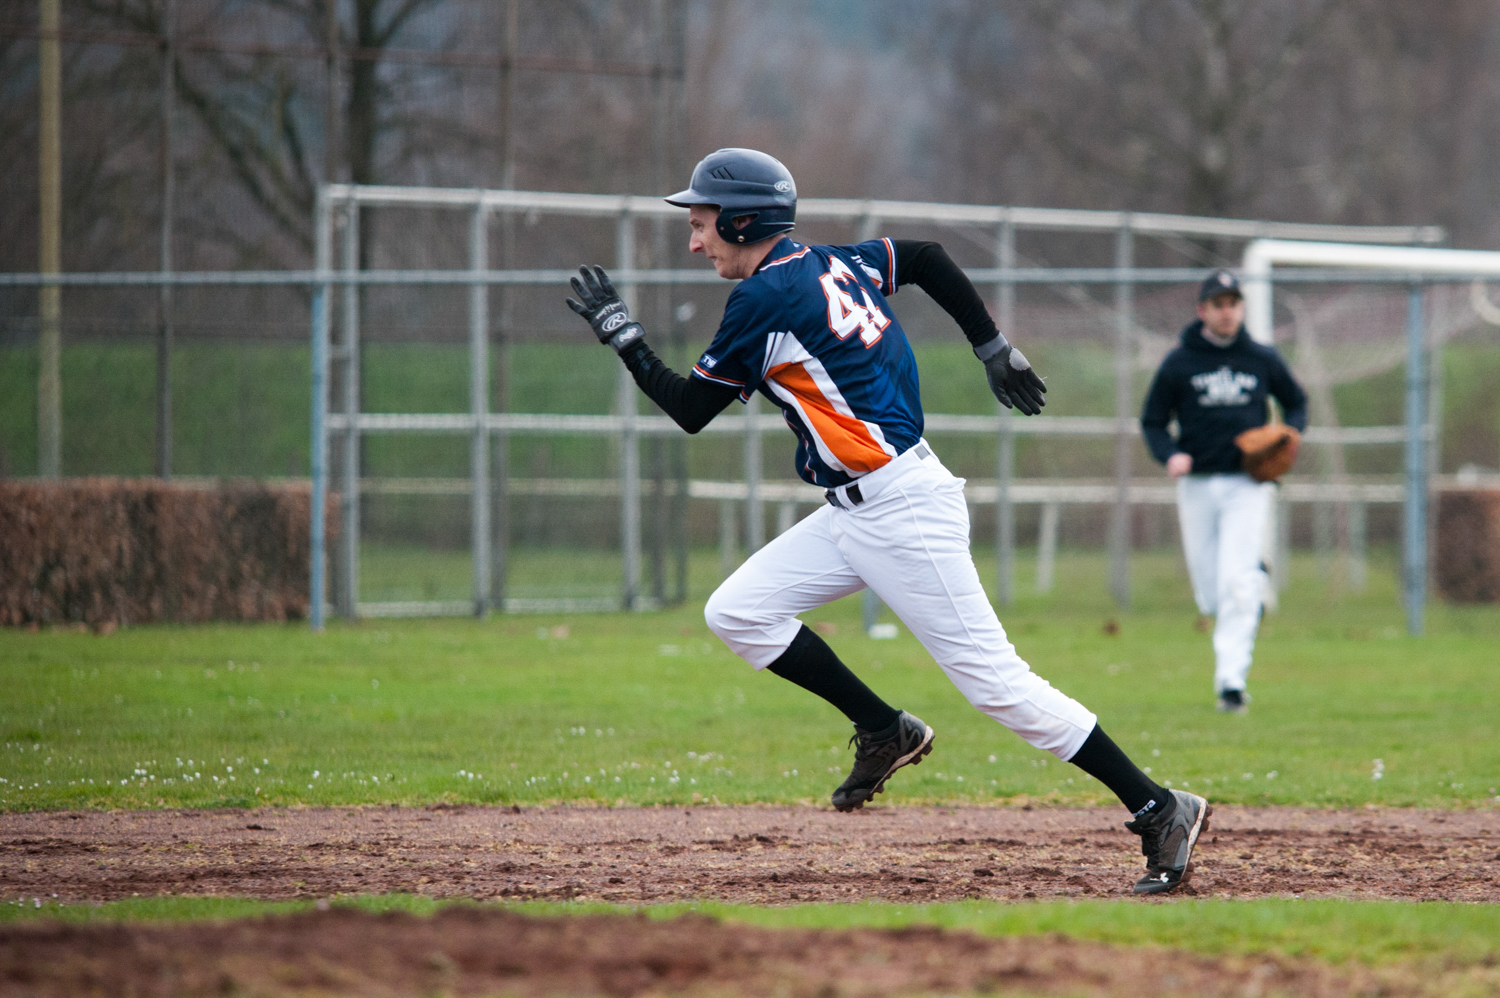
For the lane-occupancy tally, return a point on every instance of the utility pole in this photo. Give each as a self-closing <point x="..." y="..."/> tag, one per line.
<point x="331" y="93"/>
<point x="164" y="332"/>
<point x="500" y="442"/>
<point x="49" y="345"/>
<point x="1119" y="519"/>
<point x="661" y="95"/>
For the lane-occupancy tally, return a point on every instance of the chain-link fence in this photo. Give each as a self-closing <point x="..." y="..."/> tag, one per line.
<point x="490" y="456"/>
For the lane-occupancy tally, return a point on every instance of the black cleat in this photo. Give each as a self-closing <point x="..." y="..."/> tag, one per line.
<point x="1167" y="840"/>
<point x="1234" y="702"/>
<point x="878" y="755"/>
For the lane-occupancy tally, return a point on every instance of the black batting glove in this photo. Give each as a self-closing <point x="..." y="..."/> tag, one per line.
<point x="1011" y="377"/>
<point x="605" y="313"/>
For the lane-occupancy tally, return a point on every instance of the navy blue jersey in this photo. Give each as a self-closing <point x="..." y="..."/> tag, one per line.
<point x="1215" y="393"/>
<point x="812" y="331"/>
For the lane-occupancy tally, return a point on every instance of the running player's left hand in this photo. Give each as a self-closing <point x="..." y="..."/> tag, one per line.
<point x="1012" y="379"/>
<point x="604" y="310"/>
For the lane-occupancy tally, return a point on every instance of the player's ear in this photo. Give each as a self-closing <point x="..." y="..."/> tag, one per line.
<point x="740" y="221"/>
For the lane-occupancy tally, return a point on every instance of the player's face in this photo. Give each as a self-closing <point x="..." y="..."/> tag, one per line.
<point x="706" y="239"/>
<point x="1222" y="315"/>
<point x="733" y="262"/>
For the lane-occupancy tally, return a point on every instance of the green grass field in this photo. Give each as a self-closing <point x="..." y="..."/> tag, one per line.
<point x="651" y="708"/>
<point x="1333" y="931"/>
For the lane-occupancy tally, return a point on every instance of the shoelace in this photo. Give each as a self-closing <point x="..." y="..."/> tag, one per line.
<point x="866" y="739"/>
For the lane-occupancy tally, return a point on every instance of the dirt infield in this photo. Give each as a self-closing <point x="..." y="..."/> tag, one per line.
<point x="755" y="855"/>
<point x="759" y="855"/>
<point x="473" y="951"/>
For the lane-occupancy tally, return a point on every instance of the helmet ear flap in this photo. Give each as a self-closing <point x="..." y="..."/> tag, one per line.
<point x="737" y="234"/>
<point x="763" y="224"/>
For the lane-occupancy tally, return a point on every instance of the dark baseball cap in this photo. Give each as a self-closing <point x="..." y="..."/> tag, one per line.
<point x="1220" y="282"/>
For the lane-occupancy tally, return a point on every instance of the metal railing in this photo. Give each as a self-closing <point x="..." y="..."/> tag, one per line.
<point x="342" y="202"/>
<point x="336" y="274"/>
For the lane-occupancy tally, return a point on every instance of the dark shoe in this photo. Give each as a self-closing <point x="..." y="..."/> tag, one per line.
<point x="878" y="755"/>
<point x="1167" y="840"/>
<point x="1234" y="702"/>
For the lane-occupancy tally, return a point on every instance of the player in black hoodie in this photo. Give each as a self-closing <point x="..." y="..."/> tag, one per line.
<point x="1215" y="384"/>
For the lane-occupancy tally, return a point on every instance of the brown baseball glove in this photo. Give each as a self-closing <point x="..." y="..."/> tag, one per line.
<point x="1268" y="451"/>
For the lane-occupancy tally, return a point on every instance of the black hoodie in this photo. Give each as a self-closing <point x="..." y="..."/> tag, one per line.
<point x="1215" y="393"/>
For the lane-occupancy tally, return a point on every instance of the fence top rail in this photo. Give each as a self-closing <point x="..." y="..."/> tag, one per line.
<point x="851" y="210"/>
<point x="1462" y="270"/>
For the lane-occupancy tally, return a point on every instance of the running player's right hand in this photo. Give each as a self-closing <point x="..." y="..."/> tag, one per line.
<point x="1011" y="377"/>
<point x="603" y="309"/>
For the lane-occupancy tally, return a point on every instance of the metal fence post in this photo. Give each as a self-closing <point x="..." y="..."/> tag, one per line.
<point x="1046" y="547"/>
<point x="479" y="405"/>
<point x="348" y="592"/>
<point x="630" y="454"/>
<point x="500" y="439"/>
<point x="786" y="517"/>
<point x="1005" y="453"/>
<point x="677" y="444"/>
<point x="729" y="554"/>
<point x="318" y="445"/>
<point x="1414" y="513"/>
<point x="1280" y="533"/>
<point x="755" y="518"/>
<point x="1358" y="532"/>
<point x="1119" y="523"/>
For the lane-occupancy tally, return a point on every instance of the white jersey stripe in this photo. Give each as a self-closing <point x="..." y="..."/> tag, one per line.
<point x="784" y="348"/>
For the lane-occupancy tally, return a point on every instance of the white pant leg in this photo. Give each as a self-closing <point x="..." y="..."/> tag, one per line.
<point x="1198" y="518"/>
<point x="755" y="610"/>
<point x="1243" y="508"/>
<point x="911" y="545"/>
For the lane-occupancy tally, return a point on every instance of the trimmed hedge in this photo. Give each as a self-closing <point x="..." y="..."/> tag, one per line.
<point x="1466" y="564"/>
<point x="110" y="552"/>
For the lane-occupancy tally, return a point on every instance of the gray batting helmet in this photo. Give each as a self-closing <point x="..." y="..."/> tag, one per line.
<point x="742" y="182"/>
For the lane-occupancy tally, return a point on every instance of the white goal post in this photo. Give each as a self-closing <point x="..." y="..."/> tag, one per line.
<point x="1416" y="265"/>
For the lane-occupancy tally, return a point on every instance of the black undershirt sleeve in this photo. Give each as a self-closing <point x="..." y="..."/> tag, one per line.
<point x="691" y="402"/>
<point x="929" y="267"/>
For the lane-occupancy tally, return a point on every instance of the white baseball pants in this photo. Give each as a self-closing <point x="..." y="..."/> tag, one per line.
<point x="908" y="540"/>
<point x="1223" y="519"/>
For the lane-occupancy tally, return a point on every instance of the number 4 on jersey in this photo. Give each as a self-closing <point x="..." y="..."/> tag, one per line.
<point x="845" y="315"/>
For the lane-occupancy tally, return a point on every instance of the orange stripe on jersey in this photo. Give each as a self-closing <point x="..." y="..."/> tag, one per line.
<point x="845" y="435"/>
<point x="790" y="256"/>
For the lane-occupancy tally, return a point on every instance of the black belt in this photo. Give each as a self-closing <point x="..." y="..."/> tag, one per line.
<point x="852" y="491"/>
<point x="832" y="495"/>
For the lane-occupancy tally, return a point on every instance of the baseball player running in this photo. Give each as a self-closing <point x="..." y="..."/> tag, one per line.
<point x="811" y="329"/>
<point x="1215" y="384"/>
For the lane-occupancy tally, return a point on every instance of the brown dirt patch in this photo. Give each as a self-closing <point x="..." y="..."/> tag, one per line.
<point x="488" y="951"/>
<point x="753" y="855"/>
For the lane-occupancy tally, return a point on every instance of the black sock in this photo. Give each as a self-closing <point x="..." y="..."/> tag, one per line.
<point x="812" y="665"/>
<point x="1102" y="759"/>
